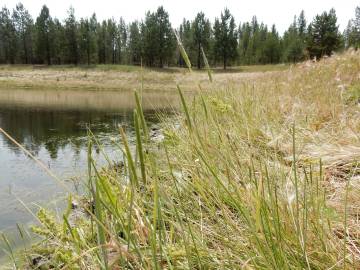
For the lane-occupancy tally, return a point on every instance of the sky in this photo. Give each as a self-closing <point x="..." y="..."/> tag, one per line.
<point x="278" y="12"/>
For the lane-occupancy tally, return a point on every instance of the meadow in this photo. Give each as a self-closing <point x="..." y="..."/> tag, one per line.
<point x="118" y="77"/>
<point x="256" y="171"/>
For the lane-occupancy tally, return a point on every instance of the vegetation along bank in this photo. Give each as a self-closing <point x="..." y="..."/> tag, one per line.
<point x="262" y="174"/>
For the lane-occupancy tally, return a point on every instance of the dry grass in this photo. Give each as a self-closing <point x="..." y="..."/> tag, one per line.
<point x="102" y="78"/>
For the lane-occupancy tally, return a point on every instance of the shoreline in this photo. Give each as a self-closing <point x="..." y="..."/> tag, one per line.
<point x="98" y="79"/>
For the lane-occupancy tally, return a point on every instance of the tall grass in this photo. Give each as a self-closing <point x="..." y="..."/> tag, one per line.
<point x="259" y="175"/>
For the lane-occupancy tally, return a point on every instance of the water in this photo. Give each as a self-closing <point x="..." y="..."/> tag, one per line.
<point x="53" y="126"/>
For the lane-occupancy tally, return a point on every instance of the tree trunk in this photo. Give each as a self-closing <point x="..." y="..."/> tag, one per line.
<point x="120" y="53"/>
<point x="76" y="55"/>
<point x="198" y="60"/>
<point x="25" y="51"/>
<point x="88" y="57"/>
<point x="48" y="51"/>
<point x="113" y="56"/>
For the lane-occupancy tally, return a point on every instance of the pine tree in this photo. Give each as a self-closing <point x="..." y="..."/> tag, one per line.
<point x="272" y="50"/>
<point x="102" y="41"/>
<point x="357" y="20"/>
<point x="254" y="42"/>
<point x="301" y="25"/>
<point x="111" y="40"/>
<point x="352" y="31"/>
<point x="93" y="39"/>
<point x="293" y="45"/>
<point x="323" y="35"/>
<point x="245" y="35"/>
<point x="149" y="34"/>
<point x="225" y="47"/>
<point x="260" y="57"/>
<point x="187" y="38"/>
<point x="122" y="42"/>
<point x="159" y="43"/>
<point x="201" y="30"/>
<point x="24" y="26"/>
<point x="166" y="36"/>
<point x="87" y="41"/>
<point x="135" y="43"/>
<point x="152" y="40"/>
<point x="294" y="40"/>
<point x="44" y="41"/>
<point x="71" y="32"/>
<point x="8" y="37"/>
<point x="59" y="46"/>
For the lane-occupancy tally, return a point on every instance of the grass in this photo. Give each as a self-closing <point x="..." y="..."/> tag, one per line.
<point x="257" y="174"/>
<point x="254" y="68"/>
<point x="117" y="77"/>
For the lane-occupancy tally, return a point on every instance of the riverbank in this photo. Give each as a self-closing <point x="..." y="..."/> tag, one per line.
<point x="261" y="173"/>
<point x="119" y="78"/>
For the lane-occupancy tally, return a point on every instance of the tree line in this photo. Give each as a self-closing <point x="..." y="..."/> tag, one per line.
<point x="152" y="41"/>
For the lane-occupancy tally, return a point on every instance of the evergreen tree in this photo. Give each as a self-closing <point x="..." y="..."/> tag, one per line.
<point x="293" y="43"/>
<point x="102" y="42"/>
<point x="323" y="35"/>
<point x="159" y="43"/>
<point x="8" y="37"/>
<point x="59" y="43"/>
<point x="294" y="40"/>
<point x="254" y="42"/>
<point x="201" y="30"/>
<point x="245" y="35"/>
<point x="272" y="49"/>
<point x="187" y="38"/>
<point x="149" y="34"/>
<point x="258" y="45"/>
<point x="152" y="40"/>
<point x="225" y="47"/>
<point x="352" y="31"/>
<point x="44" y="40"/>
<point x="24" y="26"/>
<point x="357" y="21"/>
<point x="87" y="44"/>
<point x="135" y="43"/>
<point x="71" y="32"/>
<point x="260" y="40"/>
<point x="111" y="41"/>
<point x="166" y="36"/>
<point x="122" y="42"/>
<point x="301" y="25"/>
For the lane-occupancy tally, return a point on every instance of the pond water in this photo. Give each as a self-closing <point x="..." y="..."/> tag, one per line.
<point x="53" y="126"/>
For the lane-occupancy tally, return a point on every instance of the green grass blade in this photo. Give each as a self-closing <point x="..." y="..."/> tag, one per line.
<point x="183" y="51"/>
<point x="207" y="66"/>
<point x="183" y="102"/>
<point x="140" y="112"/>
<point x="131" y="164"/>
<point x="139" y="146"/>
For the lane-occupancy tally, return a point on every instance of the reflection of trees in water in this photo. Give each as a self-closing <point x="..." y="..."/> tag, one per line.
<point x="55" y="130"/>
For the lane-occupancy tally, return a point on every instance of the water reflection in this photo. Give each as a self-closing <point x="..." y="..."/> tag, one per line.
<point x="54" y="130"/>
<point x="53" y="126"/>
<point x="107" y="101"/>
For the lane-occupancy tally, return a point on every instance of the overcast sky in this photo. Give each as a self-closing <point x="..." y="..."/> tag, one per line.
<point x="278" y="12"/>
